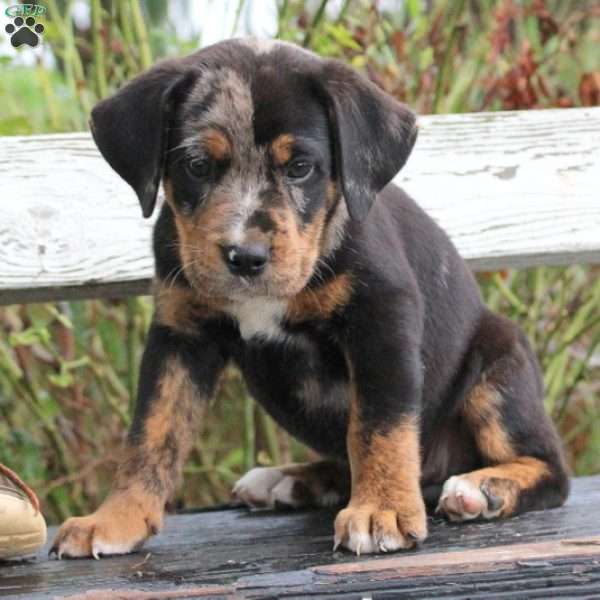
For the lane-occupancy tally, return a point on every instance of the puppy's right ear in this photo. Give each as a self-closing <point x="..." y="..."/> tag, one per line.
<point x="131" y="127"/>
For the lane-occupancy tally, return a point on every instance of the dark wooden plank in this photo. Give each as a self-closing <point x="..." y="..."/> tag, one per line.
<point x="469" y="561"/>
<point x="86" y="291"/>
<point x="255" y="552"/>
<point x="558" y="578"/>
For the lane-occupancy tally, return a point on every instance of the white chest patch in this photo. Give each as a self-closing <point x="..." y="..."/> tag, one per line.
<point x="259" y="317"/>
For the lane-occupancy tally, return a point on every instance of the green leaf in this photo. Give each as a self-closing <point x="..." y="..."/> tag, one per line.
<point x="413" y="7"/>
<point x="426" y="58"/>
<point x="342" y="36"/>
<point x="61" y="380"/>
<point x="29" y="336"/>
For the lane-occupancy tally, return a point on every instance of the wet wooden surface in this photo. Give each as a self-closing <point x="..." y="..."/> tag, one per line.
<point x="240" y="554"/>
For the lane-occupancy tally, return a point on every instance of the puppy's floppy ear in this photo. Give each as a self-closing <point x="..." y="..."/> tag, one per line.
<point x="373" y="135"/>
<point x="131" y="127"/>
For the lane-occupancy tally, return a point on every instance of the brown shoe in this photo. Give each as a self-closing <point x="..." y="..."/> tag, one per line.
<point x="22" y="526"/>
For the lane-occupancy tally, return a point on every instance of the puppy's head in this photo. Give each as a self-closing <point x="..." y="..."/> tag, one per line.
<point x="263" y="149"/>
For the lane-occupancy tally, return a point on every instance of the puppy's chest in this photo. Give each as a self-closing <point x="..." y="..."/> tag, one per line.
<point x="260" y="318"/>
<point x="276" y="319"/>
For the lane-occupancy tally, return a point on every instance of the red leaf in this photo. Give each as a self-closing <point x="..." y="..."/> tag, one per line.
<point x="589" y="89"/>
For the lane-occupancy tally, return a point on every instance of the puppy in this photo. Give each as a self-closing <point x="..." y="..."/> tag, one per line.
<point x="283" y="248"/>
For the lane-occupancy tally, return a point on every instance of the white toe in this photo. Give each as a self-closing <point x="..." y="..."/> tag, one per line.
<point x="361" y="543"/>
<point x="283" y="492"/>
<point x="71" y="550"/>
<point x="101" y="548"/>
<point x="390" y="544"/>
<point x="254" y="488"/>
<point x="462" y="500"/>
<point x="329" y="499"/>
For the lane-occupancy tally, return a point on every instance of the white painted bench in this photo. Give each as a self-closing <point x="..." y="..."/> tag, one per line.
<point x="513" y="189"/>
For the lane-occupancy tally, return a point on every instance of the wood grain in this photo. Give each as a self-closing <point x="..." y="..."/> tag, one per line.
<point x="513" y="189"/>
<point x="469" y="561"/>
<point x="264" y="554"/>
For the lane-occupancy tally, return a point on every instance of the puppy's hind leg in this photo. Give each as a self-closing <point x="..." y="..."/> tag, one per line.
<point x="319" y="484"/>
<point x="523" y="467"/>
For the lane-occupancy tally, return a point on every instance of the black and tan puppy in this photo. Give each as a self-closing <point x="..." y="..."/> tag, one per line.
<point x="283" y="248"/>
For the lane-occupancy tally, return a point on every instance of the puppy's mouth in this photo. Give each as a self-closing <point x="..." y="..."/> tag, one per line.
<point x="222" y="284"/>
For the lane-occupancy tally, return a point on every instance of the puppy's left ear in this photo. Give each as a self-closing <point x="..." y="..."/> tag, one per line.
<point x="373" y="135"/>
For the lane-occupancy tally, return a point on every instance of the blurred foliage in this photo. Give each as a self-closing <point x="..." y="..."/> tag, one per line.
<point x="67" y="370"/>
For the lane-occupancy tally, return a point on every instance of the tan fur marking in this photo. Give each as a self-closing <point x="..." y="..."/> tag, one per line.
<point x="171" y="410"/>
<point x="386" y="473"/>
<point x="338" y="215"/>
<point x="511" y="473"/>
<point x="200" y="235"/>
<point x="281" y="148"/>
<point x="386" y="509"/>
<point x="482" y="413"/>
<point x="168" y="188"/>
<point x="321" y="302"/>
<point x="216" y="144"/>
<point x="125" y="519"/>
<point x="331" y="193"/>
<point x="167" y="435"/>
<point x="182" y="309"/>
<point x="295" y="249"/>
<point x="146" y="478"/>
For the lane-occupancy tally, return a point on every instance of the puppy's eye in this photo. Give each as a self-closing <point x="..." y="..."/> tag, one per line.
<point x="298" y="169"/>
<point x="198" y="167"/>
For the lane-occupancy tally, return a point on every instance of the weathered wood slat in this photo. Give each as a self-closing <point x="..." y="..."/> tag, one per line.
<point x="513" y="189"/>
<point x="241" y="554"/>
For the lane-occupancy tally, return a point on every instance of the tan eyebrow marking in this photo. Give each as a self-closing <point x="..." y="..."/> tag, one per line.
<point x="281" y="148"/>
<point x="216" y="144"/>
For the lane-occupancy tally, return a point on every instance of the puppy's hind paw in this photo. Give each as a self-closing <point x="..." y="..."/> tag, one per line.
<point x="323" y="483"/>
<point x="265" y="487"/>
<point x="464" y="500"/>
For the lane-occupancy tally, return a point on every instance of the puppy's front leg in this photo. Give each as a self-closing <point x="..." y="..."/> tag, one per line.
<point x="386" y="510"/>
<point x="177" y="374"/>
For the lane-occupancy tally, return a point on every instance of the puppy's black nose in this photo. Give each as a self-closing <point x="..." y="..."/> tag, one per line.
<point x="246" y="261"/>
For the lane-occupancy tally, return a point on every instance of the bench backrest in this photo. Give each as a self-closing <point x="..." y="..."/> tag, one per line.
<point x="513" y="189"/>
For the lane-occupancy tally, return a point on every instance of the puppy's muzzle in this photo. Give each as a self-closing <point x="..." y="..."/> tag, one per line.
<point x="249" y="260"/>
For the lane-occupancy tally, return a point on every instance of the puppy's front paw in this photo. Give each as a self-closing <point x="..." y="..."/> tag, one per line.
<point x="367" y="529"/>
<point x="115" y="528"/>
